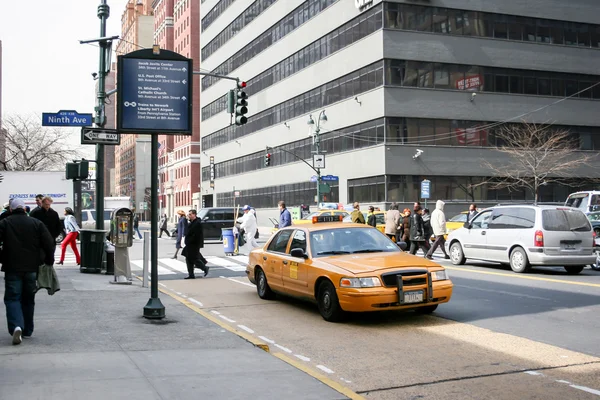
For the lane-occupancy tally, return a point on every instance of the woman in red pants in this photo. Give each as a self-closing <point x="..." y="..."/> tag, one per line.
<point x="72" y="231"/>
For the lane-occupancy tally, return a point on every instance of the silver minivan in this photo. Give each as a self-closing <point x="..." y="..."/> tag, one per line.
<point x="523" y="236"/>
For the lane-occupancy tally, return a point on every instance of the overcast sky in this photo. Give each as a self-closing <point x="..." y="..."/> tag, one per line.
<point x="44" y="68"/>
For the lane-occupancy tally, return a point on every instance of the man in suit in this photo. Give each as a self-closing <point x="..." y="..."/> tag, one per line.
<point x="194" y="241"/>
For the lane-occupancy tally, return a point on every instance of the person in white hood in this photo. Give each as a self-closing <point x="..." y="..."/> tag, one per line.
<point x="249" y="226"/>
<point x="438" y="225"/>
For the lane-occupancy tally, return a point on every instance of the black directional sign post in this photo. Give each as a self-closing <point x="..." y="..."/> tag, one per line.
<point x="100" y="136"/>
<point x="154" y="96"/>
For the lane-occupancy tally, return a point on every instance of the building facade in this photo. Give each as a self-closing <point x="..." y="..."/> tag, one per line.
<point x="177" y="28"/>
<point x="393" y="77"/>
<point x="131" y="160"/>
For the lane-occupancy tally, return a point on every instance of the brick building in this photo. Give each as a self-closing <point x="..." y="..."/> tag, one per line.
<point x="132" y="156"/>
<point x="177" y="28"/>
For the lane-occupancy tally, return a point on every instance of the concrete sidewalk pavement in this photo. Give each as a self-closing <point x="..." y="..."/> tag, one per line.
<point x="91" y="341"/>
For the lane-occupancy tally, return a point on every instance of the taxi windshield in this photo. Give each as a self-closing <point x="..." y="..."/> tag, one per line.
<point x="349" y="241"/>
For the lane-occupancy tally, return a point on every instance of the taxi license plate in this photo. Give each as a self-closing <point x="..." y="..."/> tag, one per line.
<point x="413" y="297"/>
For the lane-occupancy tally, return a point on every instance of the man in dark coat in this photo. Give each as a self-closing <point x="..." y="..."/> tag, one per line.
<point x="26" y="243"/>
<point x="194" y="241"/>
<point x="48" y="216"/>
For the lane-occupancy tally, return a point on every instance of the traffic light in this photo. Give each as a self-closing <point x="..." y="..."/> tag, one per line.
<point x="240" y="104"/>
<point x="77" y="170"/>
<point x="268" y="159"/>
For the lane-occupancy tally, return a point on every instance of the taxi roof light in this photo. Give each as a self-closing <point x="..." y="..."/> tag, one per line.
<point x="317" y="219"/>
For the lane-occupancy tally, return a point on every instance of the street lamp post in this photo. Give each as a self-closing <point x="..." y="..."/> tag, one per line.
<point x="316" y="127"/>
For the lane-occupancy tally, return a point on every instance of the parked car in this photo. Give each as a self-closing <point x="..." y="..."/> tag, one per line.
<point x="587" y="202"/>
<point x="215" y="218"/>
<point x="523" y="236"/>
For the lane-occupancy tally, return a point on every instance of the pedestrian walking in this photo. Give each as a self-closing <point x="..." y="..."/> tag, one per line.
<point x="71" y="239"/>
<point x="136" y="225"/>
<point x="285" y="218"/>
<point x="393" y="223"/>
<point x="417" y="232"/>
<point x="371" y="218"/>
<point x="162" y="225"/>
<point x="472" y="212"/>
<point x="249" y="226"/>
<point x="427" y="225"/>
<point x="438" y="225"/>
<point x="182" y="226"/>
<point x="405" y="229"/>
<point x="357" y="216"/>
<point x="26" y="243"/>
<point x="38" y="201"/>
<point x="194" y="241"/>
<point x="48" y="216"/>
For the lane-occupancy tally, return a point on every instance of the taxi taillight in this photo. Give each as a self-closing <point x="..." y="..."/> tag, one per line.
<point x="538" y="240"/>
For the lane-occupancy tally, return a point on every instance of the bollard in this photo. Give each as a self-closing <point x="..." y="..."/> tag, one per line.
<point x="145" y="259"/>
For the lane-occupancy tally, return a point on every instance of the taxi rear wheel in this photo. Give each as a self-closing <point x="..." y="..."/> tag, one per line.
<point x="328" y="303"/>
<point x="262" y="287"/>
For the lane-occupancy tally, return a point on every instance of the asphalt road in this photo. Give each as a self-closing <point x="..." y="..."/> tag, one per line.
<point x="502" y="335"/>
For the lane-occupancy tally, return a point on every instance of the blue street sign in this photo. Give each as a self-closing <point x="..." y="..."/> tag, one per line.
<point x="425" y="186"/>
<point x="66" y="118"/>
<point x="314" y="178"/>
<point x="155" y="95"/>
<point x="330" y="178"/>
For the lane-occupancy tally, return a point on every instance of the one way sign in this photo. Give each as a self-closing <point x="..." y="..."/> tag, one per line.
<point x="100" y="136"/>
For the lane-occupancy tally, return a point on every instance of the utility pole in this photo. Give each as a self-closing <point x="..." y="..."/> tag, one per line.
<point x="322" y="119"/>
<point x="100" y="119"/>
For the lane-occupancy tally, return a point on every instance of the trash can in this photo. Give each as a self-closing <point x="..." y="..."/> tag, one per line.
<point x="92" y="250"/>
<point x="109" y="258"/>
<point x="228" y="240"/>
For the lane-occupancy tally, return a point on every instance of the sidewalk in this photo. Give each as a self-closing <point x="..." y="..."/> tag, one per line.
<point x="91" y="342"/>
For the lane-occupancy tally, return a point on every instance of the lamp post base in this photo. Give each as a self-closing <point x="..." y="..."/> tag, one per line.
<point x="154" y="309"/>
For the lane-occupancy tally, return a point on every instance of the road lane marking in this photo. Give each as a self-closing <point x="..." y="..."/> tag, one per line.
<point x="215" y="312"/>
<point x="266" y="339"/>
<point x="519" y="276"/>
<point x="583" y="388"/>
<point x="504" y="292"/>
<point x="325" y="369"/>
<point x="324" y="379"/>
<point x="283" y="348"/>
<point x="535" y="373"/>
<point x="226" y="319"/>
<point x="236" y="281"/>
<point x="196" y="302"/>
<point x="303" y="358"/>
<point x="244" y="327"/>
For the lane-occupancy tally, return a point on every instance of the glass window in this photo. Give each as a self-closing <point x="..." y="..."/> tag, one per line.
<point x="280" y="241"/>
<point x="299" y="240"/>
<point x="512" y="218"/>
<point x="481" y="221"/>
<point x="565" y="220"/>
<point x="502" y="84"/>
<point x="530" y="86"/>
<point x="350" y="240"/>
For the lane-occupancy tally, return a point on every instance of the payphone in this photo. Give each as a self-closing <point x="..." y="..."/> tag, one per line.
<point x="121" y="236"/>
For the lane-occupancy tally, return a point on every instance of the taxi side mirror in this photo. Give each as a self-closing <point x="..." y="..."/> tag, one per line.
<point x="298" y="253"/>
<point x="467" y="225"/>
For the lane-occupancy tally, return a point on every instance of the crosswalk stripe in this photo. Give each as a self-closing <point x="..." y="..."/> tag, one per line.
<point x="161" y="270"/>
<point x="225" y="263"/>
<point x="175" y="264"/>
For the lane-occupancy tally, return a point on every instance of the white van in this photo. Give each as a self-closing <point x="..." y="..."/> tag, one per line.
<point x="523" y="236"/>
<point x="586" y="201"/>
<point x="88" y="219"/>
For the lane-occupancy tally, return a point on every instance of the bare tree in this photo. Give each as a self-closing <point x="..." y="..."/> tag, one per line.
<point x="537" y="155"/>
<point x="28" y="146"/>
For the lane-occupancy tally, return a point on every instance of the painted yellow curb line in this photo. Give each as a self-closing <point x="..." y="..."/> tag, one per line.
<point x="533" y="278"/>
<point x="244" y="335"/>
<point x="322" y="378"/>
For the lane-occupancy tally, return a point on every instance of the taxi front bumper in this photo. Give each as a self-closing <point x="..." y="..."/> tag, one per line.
<point x="387" y="298"/>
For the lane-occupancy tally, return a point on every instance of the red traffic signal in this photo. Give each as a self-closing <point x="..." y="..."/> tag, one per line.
<point x="267" y="159"/>
<point x="241" y="85"/>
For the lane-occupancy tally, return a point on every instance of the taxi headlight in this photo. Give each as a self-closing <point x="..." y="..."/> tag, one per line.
<point x="439" y="275"/>
<point x="360" y="282"/>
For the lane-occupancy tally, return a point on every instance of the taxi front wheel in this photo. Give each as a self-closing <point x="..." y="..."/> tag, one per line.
<point x="328" y="303"/>
<point x="262" y="287"/>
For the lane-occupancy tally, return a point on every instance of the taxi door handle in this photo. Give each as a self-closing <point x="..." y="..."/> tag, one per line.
<point x="264" y="258"/>
<point x="483" y="232"/>
<point x="285" y="262"/>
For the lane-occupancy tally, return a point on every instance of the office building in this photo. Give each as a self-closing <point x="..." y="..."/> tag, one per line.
<point x="393" y="77"/>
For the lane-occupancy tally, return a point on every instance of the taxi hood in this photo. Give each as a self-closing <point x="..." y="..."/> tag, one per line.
<point x="371" y="262"/>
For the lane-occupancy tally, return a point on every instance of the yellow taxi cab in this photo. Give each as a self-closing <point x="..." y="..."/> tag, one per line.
<point x="457" y="221"/>
<point x="346" y="267"/>
<point x="308" y="219"/>
<point x="379" y="219"/>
